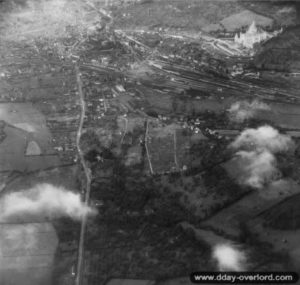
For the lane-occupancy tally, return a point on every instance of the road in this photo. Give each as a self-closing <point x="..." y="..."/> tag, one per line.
<point x="125" y="129"/>
<point x="146" y="147"/>
<point x="80" y="261"/>
<point x="80" y="265"/>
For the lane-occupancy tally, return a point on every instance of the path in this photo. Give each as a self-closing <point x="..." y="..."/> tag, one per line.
<point x="80" y="267"/>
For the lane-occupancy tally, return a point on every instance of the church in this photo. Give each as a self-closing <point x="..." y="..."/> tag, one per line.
<point x="253" y="36"/>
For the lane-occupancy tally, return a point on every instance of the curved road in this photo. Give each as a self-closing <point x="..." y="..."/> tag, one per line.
<point x="80" y="265"/>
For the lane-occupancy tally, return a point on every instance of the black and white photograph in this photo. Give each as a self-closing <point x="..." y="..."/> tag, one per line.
<point x="149" y="142"/>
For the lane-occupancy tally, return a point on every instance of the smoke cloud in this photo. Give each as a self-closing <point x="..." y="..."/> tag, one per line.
<point x="259" y="168"/>
<point x="21" y="241"/>
<point x="264" y="137"/>
<point x="255" y="155"/>
<point x="229" y="258"/>
<point x="244" y="110"/>
<point x="48" y="19"/>
<point x="43" y="200"/>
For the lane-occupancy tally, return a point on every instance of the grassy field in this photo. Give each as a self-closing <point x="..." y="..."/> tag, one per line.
<point x="18" y="242"/>
<point x="12" y="153"/>
<point x="197" y="15"/>
<point x="230" y="218"/>
<point x="279" y="226"/>
<point x="26" y="117"/>
<point x="186" y="14"/>
<point x="282" y="115"/>
<point x="244" y="19"/>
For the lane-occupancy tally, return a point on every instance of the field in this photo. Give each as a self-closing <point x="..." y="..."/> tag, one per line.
<point x="244" y="19"/>
<point x="229" y="219"/>
<point x="12" y="148"/>
<point x="60" y="176"/>
<point x="193" y="16"/>
<point x="283" y="115"/>
<point x="182" y="15"/>
<point x="170" y="147"/>
<point x="279" y="225"/>
<point x="13" y="153"/>
<point x="39" y="238"/>
<point x="28" y="118"/>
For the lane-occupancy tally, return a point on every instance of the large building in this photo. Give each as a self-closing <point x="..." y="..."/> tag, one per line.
<point x="253" y="36"/>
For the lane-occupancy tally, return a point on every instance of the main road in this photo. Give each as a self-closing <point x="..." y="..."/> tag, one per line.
<point x="80" y="265"/>
<point x="80" y="260"/>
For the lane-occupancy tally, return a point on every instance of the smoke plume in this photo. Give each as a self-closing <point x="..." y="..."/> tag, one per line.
<point x="255" y="155"/>
<point x="244" y="110"/>
<point x="229" y="258"/>
<point x="43" y="200"/>
<point x="50" y="19"/>
<point x="264" y="137"/>
<point x="24" y="214"/>
<point x="258" y="168"/>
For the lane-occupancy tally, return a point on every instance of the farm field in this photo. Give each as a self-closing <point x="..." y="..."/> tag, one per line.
<point x="24" y="116"/>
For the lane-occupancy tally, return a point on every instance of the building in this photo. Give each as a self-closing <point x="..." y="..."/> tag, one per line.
<point x="254" y="35"/>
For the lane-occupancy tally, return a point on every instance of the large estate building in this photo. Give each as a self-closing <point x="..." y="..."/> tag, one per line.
<point x="253" y="36"/>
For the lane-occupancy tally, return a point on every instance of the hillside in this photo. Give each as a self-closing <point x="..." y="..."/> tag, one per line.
<point x="281" y="53"/>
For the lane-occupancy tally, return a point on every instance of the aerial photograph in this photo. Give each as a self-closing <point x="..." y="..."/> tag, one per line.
<point x="149" y="142"/>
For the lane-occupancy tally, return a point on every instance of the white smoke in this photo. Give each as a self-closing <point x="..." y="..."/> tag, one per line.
<point x="48" y="19"/>
<point x="20" y="241"/>
<point x="244" y="110"/>
<point x="259" y="168"/>
<point x="264" y="137"/>
<point x="255" y="149"/>
<point x="43" y="200"/>
<point x="229" y="258"/>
